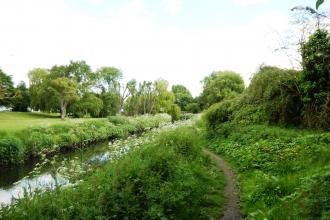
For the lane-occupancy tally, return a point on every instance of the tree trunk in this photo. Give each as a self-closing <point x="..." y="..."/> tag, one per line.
<point x="63" y="109"/>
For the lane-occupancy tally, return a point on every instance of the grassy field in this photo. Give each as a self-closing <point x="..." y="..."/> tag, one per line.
<point x="15" y="121"/>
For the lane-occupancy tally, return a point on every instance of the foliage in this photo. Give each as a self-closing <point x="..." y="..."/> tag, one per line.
<point x="6" y="89"/>
<point x="183" y="96"/>
<point x="193" y="108"/>
<point x="276" y="93"/>
<point x="108" y="78"/>
<point x="281" y="170"/>
<point x="318" y="3"/>
<point x="316" y="78"/>
<point x="11" y="150"/>
<point x="221" y="85"/>
<point x="175" y="112"/>
<point x="111" y="103"/>
<point x="21" y="100"/>
<point x="152" y="182"/>
<point x="89" y="106"/>
<point x="47" y="140"/>
<point x="219" y="113"/>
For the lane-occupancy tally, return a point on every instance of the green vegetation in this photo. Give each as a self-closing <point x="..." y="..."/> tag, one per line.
<point x="14" y="121"/>
<point x="219" y="86"/>
<point x="265" y="132"/>
<point x="284" y="173"/>
<point x="18" y="146"/>
<point x="167" y="178"/>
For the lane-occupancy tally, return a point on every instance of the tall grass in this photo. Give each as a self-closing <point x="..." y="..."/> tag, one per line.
<point x="160" y="180"/>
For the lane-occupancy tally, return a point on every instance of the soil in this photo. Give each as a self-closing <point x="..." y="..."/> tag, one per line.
<point x="232" y="211"/>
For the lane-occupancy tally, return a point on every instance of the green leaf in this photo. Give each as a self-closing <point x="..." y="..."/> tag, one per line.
<point x="318" y="3"/>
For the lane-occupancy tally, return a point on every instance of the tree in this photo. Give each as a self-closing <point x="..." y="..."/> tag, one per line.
<point x="164" y="98"/>
<point x="193" y="107"/>
<point x="21" y="100"/>
<point x="111" y="103"/>
<point x="77" y="71"/>
<point x="127" y="90"/>
<point x="65" y="91"/>
<point x="316" y="76"/>
<point x="108" y="78"/>
<point x="182" y="95"/>
<point x="41" y="97"/>
<point x="6" y="89"/>
<point x="88" y="106"/>
<point x="147" y="97"/>
<point x="108" y="81"/>
<point x="220" y="85"/>
<point x="274" y="95"/>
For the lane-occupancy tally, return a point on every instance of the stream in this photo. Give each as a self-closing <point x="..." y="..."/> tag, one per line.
<point x="68" y="168"/>
<point x="16" y="179"/>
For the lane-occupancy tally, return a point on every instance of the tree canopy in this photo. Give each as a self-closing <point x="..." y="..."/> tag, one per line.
<point x="220" y="85"/>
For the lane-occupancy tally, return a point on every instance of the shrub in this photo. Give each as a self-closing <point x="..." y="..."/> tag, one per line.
<point x="11" y="150"/>
<point x="175" y="112"/>
<point x="219" y="113"/>
<point x="276" y="92"/>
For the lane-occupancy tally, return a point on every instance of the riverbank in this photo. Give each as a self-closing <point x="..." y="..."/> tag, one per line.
<point x="161" y="175"/>
<point x="283" y="173"/>
<point x="17" y="147"/>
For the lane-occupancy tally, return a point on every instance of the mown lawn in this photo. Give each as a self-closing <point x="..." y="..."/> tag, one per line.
<point x="15" y="121"/>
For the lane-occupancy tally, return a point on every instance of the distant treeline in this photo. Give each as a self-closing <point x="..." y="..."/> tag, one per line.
<point x="76" y="90"/>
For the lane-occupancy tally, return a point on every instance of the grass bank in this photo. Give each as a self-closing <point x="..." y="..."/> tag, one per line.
<point x="166" y="178"/>
<point x="16" y="147"/>
<point x="284" y="173"/>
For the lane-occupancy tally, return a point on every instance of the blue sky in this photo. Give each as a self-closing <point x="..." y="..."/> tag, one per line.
<point x="181" y="41"/>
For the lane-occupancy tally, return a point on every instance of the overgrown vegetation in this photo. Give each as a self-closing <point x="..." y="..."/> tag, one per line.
<point x="18" y="146"/>
<point x="284" y="173"/>
<point x="167" y="178"/>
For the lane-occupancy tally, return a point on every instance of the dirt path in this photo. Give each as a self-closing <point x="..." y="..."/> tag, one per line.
<point x="232" y="211"/>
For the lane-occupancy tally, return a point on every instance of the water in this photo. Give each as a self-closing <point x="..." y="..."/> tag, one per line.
<point x="16" y="179"/>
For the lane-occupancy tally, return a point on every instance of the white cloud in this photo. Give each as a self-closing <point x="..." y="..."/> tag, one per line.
<point x="173" y="6"/>
<point x="249" y="2"/>
<point x="130" y="38"/>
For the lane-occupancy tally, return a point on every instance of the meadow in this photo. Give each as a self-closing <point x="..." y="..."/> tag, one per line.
<point x="15" y="121"/>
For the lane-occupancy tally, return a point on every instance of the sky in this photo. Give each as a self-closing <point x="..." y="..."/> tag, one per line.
<point x="181" y="41"/>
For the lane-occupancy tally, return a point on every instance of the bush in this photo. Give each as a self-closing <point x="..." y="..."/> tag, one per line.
<point x="175" y="112"/>
<point x="193" y="108"/>
<point x="11" y="151"/>
<point x="219" y="113"/>
<point x="276" y="93"/>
